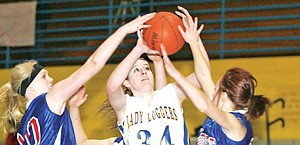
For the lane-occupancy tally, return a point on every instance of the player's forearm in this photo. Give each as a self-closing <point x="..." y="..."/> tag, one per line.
<point x="197" y="96"/>
<point x="160" y="75"/>
<point x="121" y="72"/>
<point x="204" y="52"/>
<point x="107" y="48"/>
<point x="80" y="134"/>
<point x="202" y="70"/>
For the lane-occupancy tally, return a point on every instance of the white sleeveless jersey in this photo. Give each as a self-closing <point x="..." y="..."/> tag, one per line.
<point x="161" y="123"/>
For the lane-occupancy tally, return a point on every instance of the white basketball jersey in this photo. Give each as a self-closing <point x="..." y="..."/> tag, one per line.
<point x="161" y="123"/>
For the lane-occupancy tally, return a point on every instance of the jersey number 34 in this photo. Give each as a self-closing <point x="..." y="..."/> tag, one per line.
<point x="166" y="137"/>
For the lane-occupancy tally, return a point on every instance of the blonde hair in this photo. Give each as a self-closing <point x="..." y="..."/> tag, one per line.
<point x="13" y="108"/>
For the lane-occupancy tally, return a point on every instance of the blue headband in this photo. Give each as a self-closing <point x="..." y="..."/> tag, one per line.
<point x="26" y="82"/>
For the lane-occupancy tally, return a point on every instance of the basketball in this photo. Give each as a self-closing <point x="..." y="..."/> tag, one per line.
<point x="164" y="29"/>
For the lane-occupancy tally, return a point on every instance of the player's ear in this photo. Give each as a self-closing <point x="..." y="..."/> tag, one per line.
<point x="224" y="96"/>
<point x="126" y="84"/>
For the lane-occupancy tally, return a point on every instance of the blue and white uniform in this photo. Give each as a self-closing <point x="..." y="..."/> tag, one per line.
<point x="41" y="126"/>
<point x="159" y="123"/>
<point x="119" y="141"/>
<point x="212" y="133"/>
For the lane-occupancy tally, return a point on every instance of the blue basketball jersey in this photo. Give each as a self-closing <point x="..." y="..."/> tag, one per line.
<point x="211" y="133"/>
<point x="40" y="125"/>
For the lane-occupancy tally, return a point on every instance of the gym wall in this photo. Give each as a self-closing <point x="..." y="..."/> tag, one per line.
<point x="278" y="78"/>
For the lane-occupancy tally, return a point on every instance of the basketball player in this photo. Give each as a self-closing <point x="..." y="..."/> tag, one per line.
<point x="80" y="97"/>
<point x="230" y="105"/>
<point x="46" y="120"/>
<point x="148" y="116"/>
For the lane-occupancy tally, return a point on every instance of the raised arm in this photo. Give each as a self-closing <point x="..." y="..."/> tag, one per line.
<point x="204" y="101"/>
<point x="201" y="61"/>
<point x="197" y="96"/>
<point x="200" y="100"/>
<point x="160" y="74"/>
<point x="114" y="91"/>
<point x="65" y="88"/>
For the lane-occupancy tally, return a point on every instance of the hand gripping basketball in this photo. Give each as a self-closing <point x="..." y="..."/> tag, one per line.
<point x="164" y="29"/>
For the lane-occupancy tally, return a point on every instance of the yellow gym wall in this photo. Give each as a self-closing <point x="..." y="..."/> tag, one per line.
<point x="278" y="77"/>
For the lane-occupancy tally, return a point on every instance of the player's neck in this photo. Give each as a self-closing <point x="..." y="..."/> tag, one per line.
<point x="145" y="95"/>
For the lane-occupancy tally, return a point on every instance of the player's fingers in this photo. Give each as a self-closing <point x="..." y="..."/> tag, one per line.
<point x="186" y="12"/>
<point x="138" y="32"/>
<point x="183" y="17"/>
<point x="185" y="23"/>
<point x="180" y="14"/>
<point x="153" y="55"/>
<point x="147" y="17"/>
<point x="81" y="90"/>
<point x="142" y="32"/>
<point x="85" y="97"/>
<point x="153" y="52"/>
<point x="146" y="26"/>
<point x="182" y="33"/>
<point x="200" y="29"/>
<point x="180" y="30"/>
<point x="190" y="21"/>
<point x="163" y="50"/>
<point x="166" y="59"/>
<point x="196" y="22"/>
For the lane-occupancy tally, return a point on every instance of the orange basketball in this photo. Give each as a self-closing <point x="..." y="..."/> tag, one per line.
<point x="164" y="29"/>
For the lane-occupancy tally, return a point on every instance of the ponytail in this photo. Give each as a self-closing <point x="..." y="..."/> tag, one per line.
<point x="109" y="113"/>
<point x="257" y="106"/>
<point x="11" y="111"/>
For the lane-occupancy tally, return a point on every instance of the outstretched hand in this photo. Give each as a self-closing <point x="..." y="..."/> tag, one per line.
<point x="78" y="98"/>
<point x="143" y="46"/>
<point x="138" y="23"/>
<point x="191" y="33"/>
